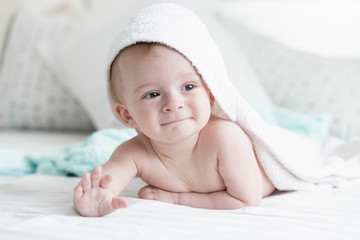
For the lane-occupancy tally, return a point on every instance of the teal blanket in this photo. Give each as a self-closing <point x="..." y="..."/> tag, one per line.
<point x="316" y="126"/>
<point x="73" y="160"/>
<point x="78" y="158"/>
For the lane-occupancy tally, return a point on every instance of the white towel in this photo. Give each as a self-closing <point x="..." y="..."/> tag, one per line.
<point x="292" y="162"/>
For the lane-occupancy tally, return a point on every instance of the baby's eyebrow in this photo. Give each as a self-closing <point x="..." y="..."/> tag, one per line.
<point x="138" y="89"/>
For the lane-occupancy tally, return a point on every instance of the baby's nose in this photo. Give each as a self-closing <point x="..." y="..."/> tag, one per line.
<point x="173" y="103"/>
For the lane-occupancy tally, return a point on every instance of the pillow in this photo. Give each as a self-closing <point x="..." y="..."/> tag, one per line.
<point x="30" y="94"/>
<point x="81" y="61"/>
<point x="7" y="11"/>
<point x="304" y="81"/>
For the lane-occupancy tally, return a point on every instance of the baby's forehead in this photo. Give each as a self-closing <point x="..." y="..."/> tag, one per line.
<point x="140" y="49"/>
<point x="133" y="53"/>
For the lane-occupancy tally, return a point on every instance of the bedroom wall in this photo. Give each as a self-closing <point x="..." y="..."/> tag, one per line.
<point x="327" y="27"/>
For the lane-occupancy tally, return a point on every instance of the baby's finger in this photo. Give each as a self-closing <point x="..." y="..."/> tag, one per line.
<point x="85" y="182"/>
<point x="78" y="192"/>
<point x="106" y="181"/>
<point x="95" y="177"/>
<point x="118" y="203"/>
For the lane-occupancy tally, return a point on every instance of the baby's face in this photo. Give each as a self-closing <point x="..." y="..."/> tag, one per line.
<point x="163" y="95"/>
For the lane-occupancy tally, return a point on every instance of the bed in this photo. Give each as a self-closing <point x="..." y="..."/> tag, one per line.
<point x="40" y="207"/>
<point x="46" y="113"/>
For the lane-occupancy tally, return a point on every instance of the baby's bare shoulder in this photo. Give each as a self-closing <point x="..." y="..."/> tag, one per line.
<point x="132" y="145"/>
<point x="134" y="148"/>
<point x="223" y="129"/>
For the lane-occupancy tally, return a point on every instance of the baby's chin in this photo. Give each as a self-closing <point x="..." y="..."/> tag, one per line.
<point x="181" y="129"/>
<point x="175" y="133"/>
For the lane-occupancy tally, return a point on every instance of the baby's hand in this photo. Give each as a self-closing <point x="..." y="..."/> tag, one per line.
<point x="93" y="196"/>
<point x="152" y="193"/>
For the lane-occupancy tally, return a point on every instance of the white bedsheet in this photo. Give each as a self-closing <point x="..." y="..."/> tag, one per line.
<point x="40" y="207"/>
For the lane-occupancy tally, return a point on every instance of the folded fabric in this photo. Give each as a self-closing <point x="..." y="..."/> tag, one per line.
<point x="73" y="160"/>
<point x="290" y="160"/>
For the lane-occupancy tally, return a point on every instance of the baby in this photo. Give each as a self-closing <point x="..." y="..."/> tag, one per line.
<point x="185" y="154"/>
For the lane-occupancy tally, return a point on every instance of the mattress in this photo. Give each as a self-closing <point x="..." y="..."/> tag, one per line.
<point x="40" y="207"/>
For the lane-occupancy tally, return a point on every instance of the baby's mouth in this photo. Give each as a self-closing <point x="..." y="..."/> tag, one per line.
<point x="173" y="121"/>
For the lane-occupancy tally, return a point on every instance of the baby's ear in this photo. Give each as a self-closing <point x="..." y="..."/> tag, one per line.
<point x="123" y="114"/>
<point x="212" y="100"/>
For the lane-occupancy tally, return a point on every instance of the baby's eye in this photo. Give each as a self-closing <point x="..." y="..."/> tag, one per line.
<point x="188" y="87"/>
<point x="152" y="95"/>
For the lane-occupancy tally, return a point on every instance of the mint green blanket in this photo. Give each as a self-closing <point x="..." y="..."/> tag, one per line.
<point x="72" y="160"/>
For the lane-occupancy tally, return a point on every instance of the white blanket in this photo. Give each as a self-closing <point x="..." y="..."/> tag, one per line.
<point x="292" y="162"/>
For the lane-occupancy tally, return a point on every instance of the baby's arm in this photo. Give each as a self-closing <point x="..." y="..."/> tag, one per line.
<point x="239" y="169"/>
<point x="96" y="194"/>
<point x="215" y="200"/>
